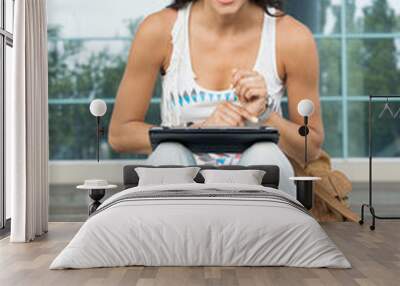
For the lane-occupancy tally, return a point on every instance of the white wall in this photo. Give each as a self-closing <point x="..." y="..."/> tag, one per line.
<point x="75" y="172"/>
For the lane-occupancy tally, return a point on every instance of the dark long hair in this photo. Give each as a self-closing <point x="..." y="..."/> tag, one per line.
<point x="264" y="4"/>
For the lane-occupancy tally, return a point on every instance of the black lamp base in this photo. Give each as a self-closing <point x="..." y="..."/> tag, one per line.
<point x="305" y="193"/>
<point x="96" y="196"/>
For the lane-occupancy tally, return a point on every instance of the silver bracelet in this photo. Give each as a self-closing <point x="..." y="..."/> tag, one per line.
<point x="267" y="113"/>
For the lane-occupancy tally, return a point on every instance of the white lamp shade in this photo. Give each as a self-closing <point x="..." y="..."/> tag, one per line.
<point x="98" y="107"/>
<point x="305" y="107"/>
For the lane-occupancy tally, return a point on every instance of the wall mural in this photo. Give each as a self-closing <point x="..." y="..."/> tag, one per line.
<point x="86" y="66"/>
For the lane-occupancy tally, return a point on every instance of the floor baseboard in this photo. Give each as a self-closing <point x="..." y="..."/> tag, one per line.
<point x="5" y="231"/>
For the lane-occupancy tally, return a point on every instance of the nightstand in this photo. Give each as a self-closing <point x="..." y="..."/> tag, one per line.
<point x="304" y="188"/>
<point x="97" y="190"/>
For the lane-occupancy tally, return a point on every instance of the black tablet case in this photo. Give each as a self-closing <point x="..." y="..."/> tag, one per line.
<point x="214" y="140"/>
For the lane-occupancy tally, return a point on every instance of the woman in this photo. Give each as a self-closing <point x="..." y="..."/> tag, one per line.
<point x="223" y="62"/>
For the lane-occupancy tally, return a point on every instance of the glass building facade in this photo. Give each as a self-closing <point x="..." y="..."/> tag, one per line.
<point x="359" y="47"/>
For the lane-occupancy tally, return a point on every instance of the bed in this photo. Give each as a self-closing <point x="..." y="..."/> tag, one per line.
<point x="197" y="224"/>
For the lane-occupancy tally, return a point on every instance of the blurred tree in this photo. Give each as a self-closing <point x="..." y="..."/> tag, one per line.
<point x="382" y="73"/>
<point x="373" y="69"/>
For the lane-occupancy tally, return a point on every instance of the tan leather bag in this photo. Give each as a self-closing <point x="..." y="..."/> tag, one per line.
<point x="331" y="193"/>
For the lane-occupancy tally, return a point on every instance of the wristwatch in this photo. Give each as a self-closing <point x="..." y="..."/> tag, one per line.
<point x="268" y="110"/>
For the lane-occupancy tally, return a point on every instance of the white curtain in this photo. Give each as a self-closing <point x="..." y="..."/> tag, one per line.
<point x="27" y="123"/>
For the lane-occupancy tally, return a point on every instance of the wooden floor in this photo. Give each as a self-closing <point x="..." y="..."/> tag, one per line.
<point x="375" y="257"/>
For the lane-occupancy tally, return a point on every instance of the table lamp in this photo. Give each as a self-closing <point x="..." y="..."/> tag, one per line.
<point x="98" y="108"/>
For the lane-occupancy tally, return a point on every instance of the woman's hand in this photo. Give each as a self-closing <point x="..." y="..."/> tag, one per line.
<point x="228" y="114"/>
<point x="251" y="88"/>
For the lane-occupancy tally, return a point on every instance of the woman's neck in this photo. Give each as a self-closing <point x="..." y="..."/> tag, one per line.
<point x="227" y="24"/>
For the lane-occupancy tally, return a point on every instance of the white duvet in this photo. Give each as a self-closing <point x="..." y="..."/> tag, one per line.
<point x="193" y="231"/>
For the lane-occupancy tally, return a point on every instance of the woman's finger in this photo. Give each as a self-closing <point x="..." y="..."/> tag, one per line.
<point x="250" y="81"/>
<point x="256" y="107"/>
<point x="241" y="111"/>
<point x="227" y="120"/>
<point x="246" y="85"/>
<point x="220" y="119"/>
<point x="248" y="77"/>
<point x="251" y="93"/>
<point x="239" y="74"/>
<point x="230" y="113"/>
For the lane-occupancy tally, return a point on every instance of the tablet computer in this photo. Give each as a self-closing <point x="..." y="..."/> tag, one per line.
<point x="214" y="140"/>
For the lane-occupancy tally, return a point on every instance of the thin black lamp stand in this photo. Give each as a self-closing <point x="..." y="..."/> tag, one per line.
<point x="370" y="157"/>
<point x="97" y="108"/>
<point x="305" y="185"/>
<point x="99" y="133"/>
<point x="304" y="131"/>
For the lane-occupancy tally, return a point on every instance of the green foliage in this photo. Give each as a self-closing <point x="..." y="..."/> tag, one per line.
<point x="374" y="70"/>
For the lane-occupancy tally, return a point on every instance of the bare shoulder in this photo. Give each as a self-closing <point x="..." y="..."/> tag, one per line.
<point x="157" y="27"/>
<point x="292" y="35"/>
<point x="296" y="46"/>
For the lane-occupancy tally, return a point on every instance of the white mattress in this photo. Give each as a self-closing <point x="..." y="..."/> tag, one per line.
<point x="200" y="232"/>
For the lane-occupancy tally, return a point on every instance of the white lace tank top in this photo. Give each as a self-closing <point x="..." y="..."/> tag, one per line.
<point x="184" y="100"/>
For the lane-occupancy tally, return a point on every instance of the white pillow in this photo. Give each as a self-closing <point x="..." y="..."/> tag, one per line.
<point x="166" y="176"/>
<point x="247" y="177"/>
